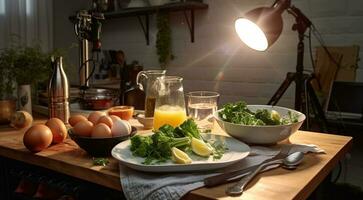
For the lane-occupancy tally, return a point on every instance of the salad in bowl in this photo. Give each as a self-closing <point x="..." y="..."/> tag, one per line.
<point x="259" y="124"/>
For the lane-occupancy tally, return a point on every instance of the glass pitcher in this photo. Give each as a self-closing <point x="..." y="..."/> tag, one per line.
<point x="170" y="103"/>
<point x="146" y="82"/>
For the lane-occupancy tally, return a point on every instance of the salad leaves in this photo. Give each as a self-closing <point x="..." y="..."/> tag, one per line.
<point x="156" y="148"/>
<point x="238" y="113"/>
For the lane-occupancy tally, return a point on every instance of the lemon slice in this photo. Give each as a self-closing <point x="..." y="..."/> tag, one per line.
<point x="275" y="115"/>
<point x="201" y="148"/>
<point x="180" y="157"/>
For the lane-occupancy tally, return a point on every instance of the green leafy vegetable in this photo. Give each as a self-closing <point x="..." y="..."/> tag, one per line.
<point x="238" y="113"/>
<point x="219" y="149"/>
<point x="266" y="116"/>
<point x="167" y="129"/>
<point x="100" y="161"/>
<point x="141" y="146"/>
<point x="188" y="129"/>
<point x="292" y="118"/>
<point x="157" y="147"/>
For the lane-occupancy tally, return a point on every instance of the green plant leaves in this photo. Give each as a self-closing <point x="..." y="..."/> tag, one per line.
<point x="163" y="40"/>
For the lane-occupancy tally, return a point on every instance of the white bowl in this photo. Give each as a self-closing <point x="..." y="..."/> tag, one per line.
<point x="148" y="122"/>
<point x="267" y="134"/>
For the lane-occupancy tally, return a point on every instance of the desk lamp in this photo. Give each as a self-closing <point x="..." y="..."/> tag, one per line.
<point x="260" y="28"/>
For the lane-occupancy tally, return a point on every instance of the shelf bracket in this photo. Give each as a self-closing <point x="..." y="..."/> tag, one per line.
<point x="190" y="22"/>
<point x="145" y="27"/>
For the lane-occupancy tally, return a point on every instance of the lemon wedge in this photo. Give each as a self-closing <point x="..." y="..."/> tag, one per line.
<point x="179" y="156"/>
<point x="201" y="148"/>
<point x="275" y="115"/>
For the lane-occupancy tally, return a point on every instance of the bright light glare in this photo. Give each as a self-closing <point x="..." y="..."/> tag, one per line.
<point x="251" y="34"/>
<point x="28" y="7"/>
<point x="2" y="7"/>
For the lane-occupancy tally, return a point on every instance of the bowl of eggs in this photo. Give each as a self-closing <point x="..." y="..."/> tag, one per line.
<point x="99" y="133"/>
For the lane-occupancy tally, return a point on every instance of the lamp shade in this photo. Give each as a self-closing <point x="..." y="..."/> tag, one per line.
<point x="260" y="27"/>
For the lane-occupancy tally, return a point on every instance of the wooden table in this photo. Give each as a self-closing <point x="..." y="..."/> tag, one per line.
<point x="69" y="159"/>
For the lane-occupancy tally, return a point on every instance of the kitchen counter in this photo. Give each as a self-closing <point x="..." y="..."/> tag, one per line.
<point x="67" y="158"/>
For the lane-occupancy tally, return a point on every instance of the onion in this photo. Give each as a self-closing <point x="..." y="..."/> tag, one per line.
<point x="37" y="138"/>
<point x="58" y="129"/>
<point x="21" y="119"/>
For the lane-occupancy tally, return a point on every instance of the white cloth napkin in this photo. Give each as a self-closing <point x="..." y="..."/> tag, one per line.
<point x="154" y="186"/>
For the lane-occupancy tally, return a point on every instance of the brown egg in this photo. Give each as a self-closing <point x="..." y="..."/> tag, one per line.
<point x="73" y="120"/>
<point x="106" y="120"/>
<point x="95" y="116"/>
<point x="114" y="118"/>
<point x="101" y="130"/>
<point x="37" y="138"/>
<point x="120" y="128"/>
<point x="83" y="128"/>
<point x="58" y="129"/>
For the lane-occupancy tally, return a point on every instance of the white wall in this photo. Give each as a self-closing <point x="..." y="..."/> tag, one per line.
<point x="218" y="60"/>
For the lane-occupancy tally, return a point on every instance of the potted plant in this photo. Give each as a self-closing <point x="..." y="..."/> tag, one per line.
<point x="163" y="40"/>
<point x="30" y="67"/>
<point x="7" y="100"/>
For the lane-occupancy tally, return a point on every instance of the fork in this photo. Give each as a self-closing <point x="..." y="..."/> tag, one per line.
<point x="229" y="176"/>
<point x="238" y="188"/>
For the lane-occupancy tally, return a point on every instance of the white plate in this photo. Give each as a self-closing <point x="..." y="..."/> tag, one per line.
<point x="237" y="151"/>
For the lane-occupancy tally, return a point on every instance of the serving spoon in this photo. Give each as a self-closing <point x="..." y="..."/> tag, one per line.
<point x="290" y="162"/>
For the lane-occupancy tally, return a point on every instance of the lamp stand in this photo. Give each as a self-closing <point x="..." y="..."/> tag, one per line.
<point x="304" y="92"/>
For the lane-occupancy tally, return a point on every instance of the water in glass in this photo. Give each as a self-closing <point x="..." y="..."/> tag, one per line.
<point x="201" y="107"/>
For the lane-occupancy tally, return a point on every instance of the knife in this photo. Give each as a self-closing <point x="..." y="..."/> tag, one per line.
<point x="233" y="175"/>
<point x="227" y="177"/>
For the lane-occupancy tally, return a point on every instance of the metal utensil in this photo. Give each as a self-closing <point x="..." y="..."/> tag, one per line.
<point x="292" y="160"/>
<point x="234" y="175"/>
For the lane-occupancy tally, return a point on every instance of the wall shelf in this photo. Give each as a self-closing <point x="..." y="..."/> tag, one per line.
<point x="143" y="14"/>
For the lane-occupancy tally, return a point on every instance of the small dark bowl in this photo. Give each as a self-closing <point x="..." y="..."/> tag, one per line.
<point x="99" y="147"/>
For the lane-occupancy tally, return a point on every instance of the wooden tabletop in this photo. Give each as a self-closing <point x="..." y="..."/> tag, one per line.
<point x="69" y="159"/>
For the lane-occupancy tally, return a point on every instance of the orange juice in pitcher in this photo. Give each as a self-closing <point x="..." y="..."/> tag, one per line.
<point x="172" y="115"/>
<point x="170" y="103"/>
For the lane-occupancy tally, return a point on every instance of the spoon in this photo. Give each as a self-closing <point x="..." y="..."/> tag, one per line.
<point x="293" y="160"/>
<point x="290" y="162"/>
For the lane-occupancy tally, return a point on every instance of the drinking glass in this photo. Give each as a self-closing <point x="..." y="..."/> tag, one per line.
<point x="201" y="107"/>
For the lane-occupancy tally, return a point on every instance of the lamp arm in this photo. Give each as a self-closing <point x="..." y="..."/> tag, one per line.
<point x="299" y="16"/>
